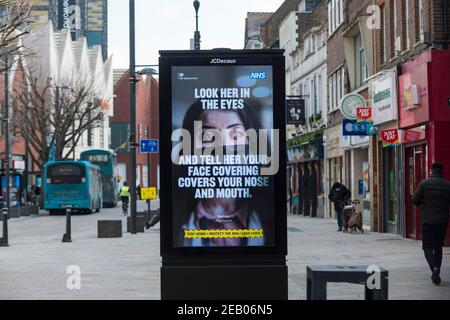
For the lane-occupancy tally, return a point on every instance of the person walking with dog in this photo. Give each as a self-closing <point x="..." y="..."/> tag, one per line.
<point x="433" y="195"/>
<point x="339" y="196"/>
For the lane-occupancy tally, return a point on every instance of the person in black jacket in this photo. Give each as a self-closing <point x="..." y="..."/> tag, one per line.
<point x="433" y="195"/>
<point x="339" y="195"/>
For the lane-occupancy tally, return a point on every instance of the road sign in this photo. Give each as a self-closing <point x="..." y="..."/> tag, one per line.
<point x="149" y="146"/>
<point x="148" y="193"/>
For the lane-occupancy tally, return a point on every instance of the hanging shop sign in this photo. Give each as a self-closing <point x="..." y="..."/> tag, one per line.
<point x="350" y="103"/>
<point x="355" y="128"/>
<point x="384" y="98"/>
<point x="364" y="114"/>
<point x="390" y="137"/>
<point x="295" y="112"/>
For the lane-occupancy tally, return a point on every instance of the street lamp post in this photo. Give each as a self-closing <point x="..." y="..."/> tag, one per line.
<point x="196" y="33"/>
<point x="133" y="117"/>
<point x="4" y="239"/>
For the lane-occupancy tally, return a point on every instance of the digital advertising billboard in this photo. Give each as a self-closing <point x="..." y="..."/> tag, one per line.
<point x="223" y="116"/>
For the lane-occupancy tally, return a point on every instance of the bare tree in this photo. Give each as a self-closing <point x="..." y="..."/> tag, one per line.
<point x="14" y="23"/>
<point x="46" y="117"/>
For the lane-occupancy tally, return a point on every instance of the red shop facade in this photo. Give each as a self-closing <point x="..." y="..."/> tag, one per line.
<point x="424" y="109"/>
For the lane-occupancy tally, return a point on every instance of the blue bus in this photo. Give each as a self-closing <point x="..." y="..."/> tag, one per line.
<point x="77" y="184"/>
<point x="106" y="160"/>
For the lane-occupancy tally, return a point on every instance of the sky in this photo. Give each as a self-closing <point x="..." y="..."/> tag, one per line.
<point x="170" y="24"/>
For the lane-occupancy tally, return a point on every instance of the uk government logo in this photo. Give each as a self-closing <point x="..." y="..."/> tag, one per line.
<point x="182" y="76"/>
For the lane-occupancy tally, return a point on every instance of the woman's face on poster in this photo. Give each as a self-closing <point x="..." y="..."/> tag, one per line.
<point x="226" y="126"/>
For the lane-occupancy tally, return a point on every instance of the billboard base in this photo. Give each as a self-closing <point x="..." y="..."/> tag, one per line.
<point x="224" y="282"/>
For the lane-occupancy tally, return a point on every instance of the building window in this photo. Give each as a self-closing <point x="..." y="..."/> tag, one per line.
<point x="421" y="21"/>
<point x="339" y="93"/>
<point x="330" y="95"/>
<point x="406" y="26"/>
<point x="335" y="14"/>
<point x="330" y="18"/>
<point x="361" y="61"/>
<point x="319" y="94"/>
<point x="314" y="95"/>
<point x="394" y="28"/>
<point x="335" y="94"/>
<point x="383" y="50"/>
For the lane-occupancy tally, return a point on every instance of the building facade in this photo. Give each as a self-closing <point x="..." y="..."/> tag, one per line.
<point x="85" y="18"/>
<point x="303" y="37"/>
<point x="147" y="126"/>
<point x="65" y="63"/>
<point x="254" y="20"/>
<point x="412" y="47"/>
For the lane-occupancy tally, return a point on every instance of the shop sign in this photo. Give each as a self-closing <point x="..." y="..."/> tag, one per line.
<point x="19" y="165"/>
<point x="390" y="137"/>
<point x="384" y="99"/>
<point x="413" y="135"/>
<point x="295" y="112"/>
<point x="350" y="103"/>
<point x="355" y="128"/>
<point x="364" y="114"/>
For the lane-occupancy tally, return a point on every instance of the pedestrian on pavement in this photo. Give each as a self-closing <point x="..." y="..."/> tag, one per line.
<point x="32" y="195"/>
<point x="139" y="191"/>
<point x="339" y="196"/>
<point x="125" y="196"/>
<point x="433" y="195"/>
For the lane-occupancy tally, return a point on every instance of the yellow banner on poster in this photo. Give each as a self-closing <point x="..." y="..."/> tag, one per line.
<point x="223" y="234"/>
<point x="148" y="193"/>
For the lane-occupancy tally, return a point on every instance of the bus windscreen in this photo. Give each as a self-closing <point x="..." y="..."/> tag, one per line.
<point x="66" y="174"/>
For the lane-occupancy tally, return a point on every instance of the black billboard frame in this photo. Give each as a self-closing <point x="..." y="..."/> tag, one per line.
<point x="182" y="263"/>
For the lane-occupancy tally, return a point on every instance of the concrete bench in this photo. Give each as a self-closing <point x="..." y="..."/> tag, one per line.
<point x="140" y="223"/>
<point x="14" y="213"/>
<point x="109" y="228"/>
<point x="319" y="276"/>
<point x="34" y="210"/>
<point x="24" y="211"/>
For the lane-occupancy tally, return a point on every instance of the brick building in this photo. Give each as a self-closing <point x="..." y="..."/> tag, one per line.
<point x="147" y="125"/>
<point x="269" y="32"/>
<point x="411" y="49"/>
<point x="350" y="64"/>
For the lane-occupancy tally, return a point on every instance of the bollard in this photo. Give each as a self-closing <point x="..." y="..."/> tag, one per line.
<point x="67" y="237"/>
<point x="4" y="240"/>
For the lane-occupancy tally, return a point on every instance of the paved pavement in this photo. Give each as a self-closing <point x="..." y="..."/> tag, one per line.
<point x="35" y="264"/>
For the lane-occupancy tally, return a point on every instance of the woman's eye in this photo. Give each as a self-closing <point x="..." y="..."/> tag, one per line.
<point x="208" y="137"/>
<point x="237" y="133"/>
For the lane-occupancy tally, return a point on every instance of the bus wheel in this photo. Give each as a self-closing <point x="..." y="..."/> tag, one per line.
<point x="51" y="212"/>
<point x="97" y="210"/>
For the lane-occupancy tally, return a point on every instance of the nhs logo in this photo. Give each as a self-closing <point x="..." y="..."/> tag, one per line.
<point x="258" y="75"/>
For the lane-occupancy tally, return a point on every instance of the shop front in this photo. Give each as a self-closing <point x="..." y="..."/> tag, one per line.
<point x="424" y="94"/>
<point x="356" y="157"/>
<point x="388" y="158"/>
<point x="334" y="164"/>
<point x="17" y="188"/>
<point x="305" y="173"/>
